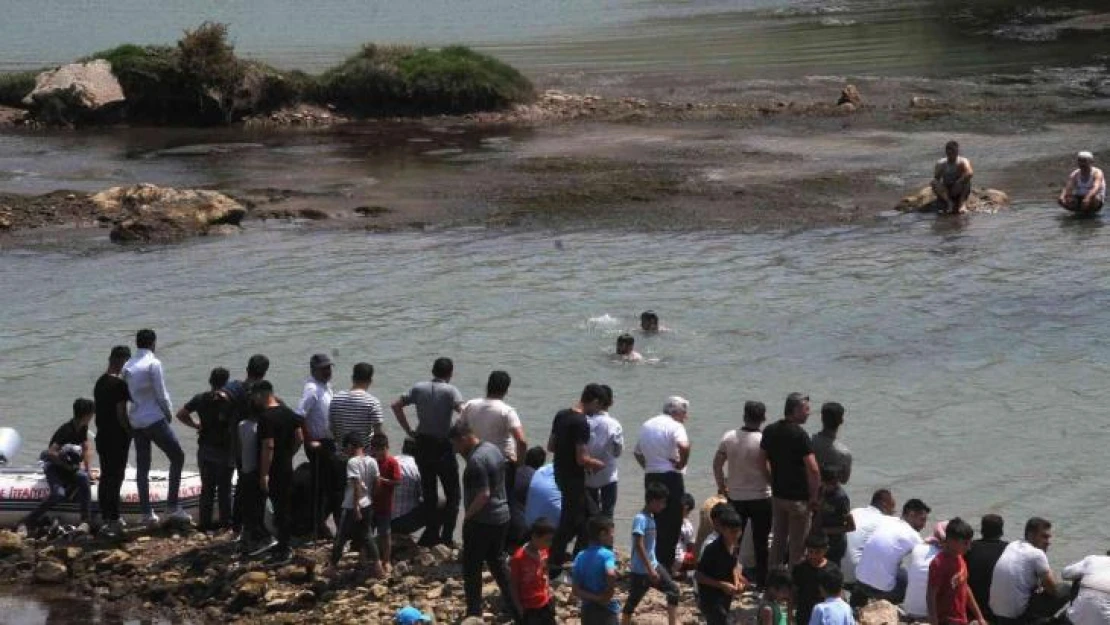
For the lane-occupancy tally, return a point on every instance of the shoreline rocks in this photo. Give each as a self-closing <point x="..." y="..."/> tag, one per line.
<point x="149" y="213"/>
<point x="981" y="201"/>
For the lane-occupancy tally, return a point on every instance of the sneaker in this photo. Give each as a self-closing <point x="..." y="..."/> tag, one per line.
<point x="150" y="520"/>
<point x="281" y="557"/>
<point x="263" y="547"/>
<point x="21" y="530"/>
<point x="83" y="528"/>
<point x="180" y="517"/>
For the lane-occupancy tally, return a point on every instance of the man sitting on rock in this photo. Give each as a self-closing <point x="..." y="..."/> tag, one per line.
<point x="952" y="180"/>
<point x="1085" y="191"/>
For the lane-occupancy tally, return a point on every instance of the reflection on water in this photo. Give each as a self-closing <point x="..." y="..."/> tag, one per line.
<point x="58" y="609"/>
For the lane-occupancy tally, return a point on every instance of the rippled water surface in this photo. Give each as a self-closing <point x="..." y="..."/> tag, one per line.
<point x="972" y="358"/>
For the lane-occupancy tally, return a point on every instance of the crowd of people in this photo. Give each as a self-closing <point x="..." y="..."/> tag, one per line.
<point x="521" y="514"/>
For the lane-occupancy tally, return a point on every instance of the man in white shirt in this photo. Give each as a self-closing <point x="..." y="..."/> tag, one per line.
<point x="748" y="486"/>
<point x="1092" y="605"/>
<point x="1022" y="570"/>
<point x="663" y="452"/>
<point x="606" y="444"/>
<point x="150" y="418"/>
<point x="328" y="470"/>
<point x="880" y="574"/>
<point x="866" y="520"/>
<point x="496" y="422"/>
<point x="917" y="573"/>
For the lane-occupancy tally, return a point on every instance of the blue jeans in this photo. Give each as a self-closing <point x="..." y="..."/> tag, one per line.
<point x="63" y="483"/>
<point x="161" y="434"/>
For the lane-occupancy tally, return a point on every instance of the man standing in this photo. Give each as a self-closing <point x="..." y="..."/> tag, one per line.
<point x="279" y="435"/>
<point x="606" y="444"/>
<point x="795" y="480"/>
<point x="1085" y="191"/>
<point x="150" y="418"/>
<point x="436" y="404"/>
<point x="1022" y="570"/>
<point x="214" y="448"/>
<point x="356" y="410"/>
<point x="486" y="518"/>
<point x="952" y="179"/>
<point x="867" y="519"/>
<point x="568" y="442"/>
<point x="832" y="455"/>
<point x="880" y="574"/>
<point x="319" y="446"/>
<point x="497" y="423"/>
<point x="113" y="438"/>
<point x="243" y="407"/>
<point x="981" y="558"/>
<point x="663" y="451"/>
<point x="748" y="487"/>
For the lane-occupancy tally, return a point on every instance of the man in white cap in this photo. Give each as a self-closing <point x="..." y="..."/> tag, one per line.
<point x="1085" y="191"/>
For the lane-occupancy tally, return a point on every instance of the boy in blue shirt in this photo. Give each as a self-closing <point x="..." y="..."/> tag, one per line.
<point x="833" y="610"/>
<point x="595" y="575"/>
<point x="646" y="571"/>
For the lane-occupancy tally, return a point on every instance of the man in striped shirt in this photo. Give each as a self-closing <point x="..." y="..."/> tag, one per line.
<point x="356" y="410"/>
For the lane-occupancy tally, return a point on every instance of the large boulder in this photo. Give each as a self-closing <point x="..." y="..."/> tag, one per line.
<point x="146" y="212"/>
<point x="981" y="201"/>
<point x="76" y="93"/>
<point x="50" y="572"/>
<point x="850" y="95"/>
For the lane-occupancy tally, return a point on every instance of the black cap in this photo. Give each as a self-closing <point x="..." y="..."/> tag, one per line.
<point x="319" y="361"/>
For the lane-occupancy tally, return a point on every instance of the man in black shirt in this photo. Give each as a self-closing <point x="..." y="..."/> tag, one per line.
<point x="279" y="435"/>
<point x="113" y="438"/>
<point x="570" y="434"/>
<point x="981" y="558"/>
<point x="214" y="437"/>
<point x="239" y="391"/>
<point x="795" y="480"/>
<point x="63" y="461"/>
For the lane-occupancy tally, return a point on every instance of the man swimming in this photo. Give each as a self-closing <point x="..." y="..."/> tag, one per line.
<point x="649" y="322"/>
<point x="952" y="179"/>
<point x="626" y="348"/>
<point x="1085" y="191"/>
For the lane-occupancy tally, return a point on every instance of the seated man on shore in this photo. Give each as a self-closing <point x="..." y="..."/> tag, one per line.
<point x="1023" y="588"/>
<point x="1085" y="191"/>
<point x="1091" y="605"/>
<point x="952" y="179"/>
<point x="62" y="463"/>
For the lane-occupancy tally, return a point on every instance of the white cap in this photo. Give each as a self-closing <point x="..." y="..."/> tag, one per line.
<point x="1086" y="156"/>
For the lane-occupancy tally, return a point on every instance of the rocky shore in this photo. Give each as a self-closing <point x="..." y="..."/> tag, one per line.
<point x="199" y="578"/>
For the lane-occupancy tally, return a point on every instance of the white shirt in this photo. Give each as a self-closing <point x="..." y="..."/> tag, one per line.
<point x="606" y="444"/>
<point x="917" y="575"/>
<point x="147" y="384"/>
<point x="493" y="421"/>
<point x="1092" y="604"/>
<point x="866" y="519"/>
<point x="660" y="438"/>
<point x="882" y="555"/>
<point x="365" y="470"/>
<point x="1016" y="575"/>
<point x="746" y="477"/>
<point x="408" y="494"/>
<point x="314" y="407"/>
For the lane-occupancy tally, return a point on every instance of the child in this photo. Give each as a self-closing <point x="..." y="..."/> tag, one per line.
<point x="834" y="518"/>
<point x="528" y="584"/>
<point x="833" y="610"/>
<point x="646" y="571"/>
<point x="595" y="575"/>
<point x="718" y="576"/>
<point x="389" y="477"/>
<point x="775" y="608"/>
<point x="214" y="456"/>
<point x="949" y="595"/>
<point x="685" y="558"/>
<point x="62" y="463"/>
<point x="807" y="587"/>
<point x="714" y="522"/>
<point x="354" y="526"/>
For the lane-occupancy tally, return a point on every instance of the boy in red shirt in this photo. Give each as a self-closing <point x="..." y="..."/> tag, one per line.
<point x="389" y="476"/>
<point x="528" y="577"/>
<point x="949" y="595"/>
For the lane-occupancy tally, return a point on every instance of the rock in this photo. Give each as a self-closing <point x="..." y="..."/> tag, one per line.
<point x="878" y="613"/>
<point x="293" y="573"/>
<point x="846" y="107"/>
<point x="472" y="620"/>
<point x="146" y="212"/>
<point x="50" y="572"/>
<point x="76" y="93"/>
<point x="379" y="591"/>
<point x="10" y="542"/>
<point x="850" y="95"/>
<point x="443" y="552"/>
<point x="919" y="102"/>
<point x="426" y="560"/>
<point x="981" y="201"/>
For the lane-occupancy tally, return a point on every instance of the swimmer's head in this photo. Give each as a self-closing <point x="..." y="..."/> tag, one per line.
<point x="625" y="344"/>
<point x="649" y="321"/>
<point x="952" y="150"/>
<point x="1086" y="159"/>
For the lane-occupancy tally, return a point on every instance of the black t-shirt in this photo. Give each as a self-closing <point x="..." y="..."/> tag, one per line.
<point x="70" y="433"/>
<point x="239" y="391"/>
<point x="981" y="558"/>
<point x="569" y="429"/>
<point x="719" y="563"/>
<point x="787" y="445"/>
<point x="836" y="507"/>
<point x="280" y="423"/>
<point x="807" y="589"/>
<point x="109" y="391"/>
<point x="215" y="411"/>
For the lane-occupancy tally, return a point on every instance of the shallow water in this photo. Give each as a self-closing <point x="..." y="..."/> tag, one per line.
<point x="972" y="355"/>
<point x="39" y="608"/>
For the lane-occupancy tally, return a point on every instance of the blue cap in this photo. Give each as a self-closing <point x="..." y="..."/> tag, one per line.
<point x="409" y="615"/>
